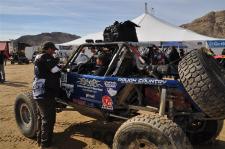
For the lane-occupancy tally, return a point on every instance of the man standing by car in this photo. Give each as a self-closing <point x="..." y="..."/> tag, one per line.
<point x="45" y="89"/>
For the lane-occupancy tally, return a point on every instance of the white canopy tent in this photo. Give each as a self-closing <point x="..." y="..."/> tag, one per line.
<point x="79" y="41"/>
<point x="155" y="30"/>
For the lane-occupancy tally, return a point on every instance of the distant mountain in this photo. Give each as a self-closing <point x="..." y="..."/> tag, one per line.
<point x="37" y="40"/>
<point x="212" y="24"/>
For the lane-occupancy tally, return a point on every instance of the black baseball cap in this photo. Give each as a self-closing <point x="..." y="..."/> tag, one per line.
<point x="49" y="45"/>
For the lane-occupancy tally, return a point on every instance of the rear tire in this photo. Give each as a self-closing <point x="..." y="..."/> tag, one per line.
<point x="200" y="131"/>
<point x="26" y="114"/>
<point x="206" y="133"/>
<point x="150" y="131"/>
<point x="204" y="80"/>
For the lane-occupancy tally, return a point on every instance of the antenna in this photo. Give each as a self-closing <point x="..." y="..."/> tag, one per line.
<point x="146" y="7"/>
<point x="152" y="11"/>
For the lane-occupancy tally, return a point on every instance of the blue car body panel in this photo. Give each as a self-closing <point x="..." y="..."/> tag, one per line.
<point x="100" y="92"/>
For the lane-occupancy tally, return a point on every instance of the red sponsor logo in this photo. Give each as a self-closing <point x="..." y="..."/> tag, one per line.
<point x="107" y="103"/>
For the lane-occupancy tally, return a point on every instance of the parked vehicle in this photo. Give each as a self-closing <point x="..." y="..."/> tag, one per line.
<point x="19" y="58"/>
<point x="162" y="105"/>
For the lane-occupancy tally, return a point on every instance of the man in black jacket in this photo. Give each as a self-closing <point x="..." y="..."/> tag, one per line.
<point x="45" y="89"/>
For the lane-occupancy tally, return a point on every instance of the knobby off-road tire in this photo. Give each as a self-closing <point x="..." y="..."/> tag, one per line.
<point x="26" y="114"/>
<point x="204" y="80"/>
<point x="150" y="131"/>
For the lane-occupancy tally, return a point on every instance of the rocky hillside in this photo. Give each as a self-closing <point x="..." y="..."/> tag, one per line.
<point x="36" y="40"/>
<point x="212" y="24"/>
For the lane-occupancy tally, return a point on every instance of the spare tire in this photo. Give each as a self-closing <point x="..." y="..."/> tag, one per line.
<point x="26" y="114"/>
<point x="204" y="80"/>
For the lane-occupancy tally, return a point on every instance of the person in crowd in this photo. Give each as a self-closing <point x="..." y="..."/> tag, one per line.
<point x="2" y="69"/>
<point x="174" y="56"/>
<point x="154" y="56"/>
<point x="223" y="52"/>
<point x="102" y="62"/>
<point x="46" y="87"/>
<point x="159" y="57"/>
<point x="94" y="51"/>
<point x="6" y="54"/>
<point x="182" y="53"/>
<point x="82" y="57"/>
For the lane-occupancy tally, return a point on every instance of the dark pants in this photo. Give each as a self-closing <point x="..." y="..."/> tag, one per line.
<point x="2" y="71"/>
<point x="46" y="121"/>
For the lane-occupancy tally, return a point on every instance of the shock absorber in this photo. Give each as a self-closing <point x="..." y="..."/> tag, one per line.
<point x="170" y="112"/>
<point x="162" y="102"/>
<point x="171" y="99"/>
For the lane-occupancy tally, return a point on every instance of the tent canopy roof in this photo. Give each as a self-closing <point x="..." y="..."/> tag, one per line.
<point x="152" y="29"/>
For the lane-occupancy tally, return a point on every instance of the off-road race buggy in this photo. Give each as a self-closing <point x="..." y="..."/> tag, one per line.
<point x="163" y="106"/>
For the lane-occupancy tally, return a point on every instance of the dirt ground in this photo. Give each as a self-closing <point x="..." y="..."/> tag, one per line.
<point x="72" y="130"/>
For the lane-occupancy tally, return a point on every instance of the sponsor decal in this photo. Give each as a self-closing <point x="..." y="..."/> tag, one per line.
<point x="89" y="82"/>
<point x="111" y="91"/>
<point x="216" y="43"/>
<point x="38" y="87"/>
<point x="89" y="85"/>
<point x="142" y="81"/>
<point x="90" y="96"/>
<point x="127" y="80"/>
<point x="110" y="84"/>
<point x="107" y="103"/>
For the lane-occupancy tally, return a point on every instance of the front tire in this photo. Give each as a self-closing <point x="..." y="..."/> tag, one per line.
<point x="150" y="131"/>
<point x="26" y="114"/>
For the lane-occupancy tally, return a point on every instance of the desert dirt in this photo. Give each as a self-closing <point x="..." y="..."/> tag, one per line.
<point x="72" y="130"/>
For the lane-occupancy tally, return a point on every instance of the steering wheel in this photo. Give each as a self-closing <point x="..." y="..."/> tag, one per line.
<point x="85" y="68"/>
<point x="81" y="68"/>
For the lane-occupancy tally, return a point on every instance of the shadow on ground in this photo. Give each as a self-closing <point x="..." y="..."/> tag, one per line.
<point x="101" y="132"/>
<point x="218" y="144"/>
<point x="98" y="130"/>
<point x="15" y="84"/>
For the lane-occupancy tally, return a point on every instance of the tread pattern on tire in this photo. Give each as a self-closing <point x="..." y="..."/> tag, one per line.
<point x="29" y="96"/>
<point x="165" y="126"/>
<point x="201" y="86"/>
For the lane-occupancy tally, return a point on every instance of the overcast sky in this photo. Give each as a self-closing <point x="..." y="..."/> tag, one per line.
<point x="80" y="17"/>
